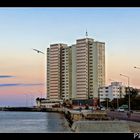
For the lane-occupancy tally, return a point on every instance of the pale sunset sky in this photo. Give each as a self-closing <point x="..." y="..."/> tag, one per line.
<point x="22" y="70"/>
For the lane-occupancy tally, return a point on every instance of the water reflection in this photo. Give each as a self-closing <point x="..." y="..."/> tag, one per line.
<point x="32" y="122"/>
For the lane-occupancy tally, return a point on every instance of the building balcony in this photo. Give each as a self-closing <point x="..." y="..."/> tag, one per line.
<point x="82" y="72"/>
<point x="81" y="57"/>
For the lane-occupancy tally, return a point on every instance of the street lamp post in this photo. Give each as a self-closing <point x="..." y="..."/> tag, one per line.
<point x="107" y="103"/>
<point x="117" y="102"/>
<point x="128" y="91"/>
<point x="118" y="97"/>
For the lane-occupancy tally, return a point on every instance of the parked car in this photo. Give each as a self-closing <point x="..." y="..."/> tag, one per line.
<point x="120" y="109"/>
<point x="103" y="108"/>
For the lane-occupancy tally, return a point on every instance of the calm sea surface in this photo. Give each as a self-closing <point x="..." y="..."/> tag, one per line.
<point x="32" y="122"/>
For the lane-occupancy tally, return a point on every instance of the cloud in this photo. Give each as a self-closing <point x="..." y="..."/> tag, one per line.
<point x="8" y="85"/>
<point x="20" y="84"/>
<point x="36" y="84"/>
<point x="6" y="76"/>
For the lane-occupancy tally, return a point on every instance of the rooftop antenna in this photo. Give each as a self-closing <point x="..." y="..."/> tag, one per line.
<point x="86" y="33"/>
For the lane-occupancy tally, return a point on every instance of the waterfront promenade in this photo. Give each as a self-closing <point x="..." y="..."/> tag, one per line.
<point x="102" y="121"/>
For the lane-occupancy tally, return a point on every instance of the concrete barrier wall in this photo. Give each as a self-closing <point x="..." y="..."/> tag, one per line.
<point x="101" y="126"/>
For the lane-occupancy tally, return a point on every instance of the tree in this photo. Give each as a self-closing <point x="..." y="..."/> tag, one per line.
<point x="37" y="99"/>
<point x="137" y="103"/>
<point x="106" y="103"/>
<point x="134" y="99"/>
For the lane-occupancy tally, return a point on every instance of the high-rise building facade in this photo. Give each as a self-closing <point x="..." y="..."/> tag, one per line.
<point x="81" y="69"/>
<point x="77" y="71"/>
<point x="96" y="67"/>
<point x="66" y="73"/>
<point x="54" y="69"/>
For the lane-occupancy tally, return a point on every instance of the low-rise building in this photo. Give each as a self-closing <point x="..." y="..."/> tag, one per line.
<point x="46" y="103"/>
<point x="115" y="90"/>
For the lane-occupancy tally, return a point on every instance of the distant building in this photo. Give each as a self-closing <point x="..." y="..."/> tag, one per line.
<point x="76" y="71"/>
<point x="45" y="103"/>
<point x="113" y="91"/>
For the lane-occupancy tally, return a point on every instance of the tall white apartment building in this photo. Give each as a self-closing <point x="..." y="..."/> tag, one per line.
<point x="54" y="71"/>
<point x="66" y="73"/>
<point x="76" y="71"/>
<point x="82" y="69"/>
<point x="90" y="67"/>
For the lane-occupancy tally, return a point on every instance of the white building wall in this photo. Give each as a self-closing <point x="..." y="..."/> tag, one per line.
<point x="66" y="73"/>
<point x="73" y="71"/>
<point x="91" y="68"/>
<point x="98" y="57"/>
<point x="112" y="91"/>
<point x="48" y="73"/>
<point x="81" y="69"/>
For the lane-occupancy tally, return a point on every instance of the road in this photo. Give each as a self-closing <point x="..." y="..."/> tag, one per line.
<point x="124" y="116"/>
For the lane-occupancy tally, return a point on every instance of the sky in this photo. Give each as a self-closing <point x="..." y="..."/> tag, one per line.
<point x="22" y="70"/>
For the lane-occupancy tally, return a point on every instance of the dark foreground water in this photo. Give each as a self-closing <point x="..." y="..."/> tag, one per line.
<point x="32" y="122"/>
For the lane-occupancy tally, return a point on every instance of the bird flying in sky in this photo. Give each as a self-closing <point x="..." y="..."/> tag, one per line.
<point x="38" y="51"/>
